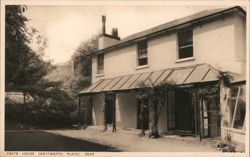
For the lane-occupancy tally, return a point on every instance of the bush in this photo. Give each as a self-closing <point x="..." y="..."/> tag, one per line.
<point x="51" y="111"/>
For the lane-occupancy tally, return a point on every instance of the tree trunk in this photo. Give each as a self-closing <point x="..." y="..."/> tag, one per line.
<point x="114" y="111"/>
<point x="79" y="110"/>
<point x="155" y="132"/>
<point x="24" y="104"/>
<point x="142" y="119"/>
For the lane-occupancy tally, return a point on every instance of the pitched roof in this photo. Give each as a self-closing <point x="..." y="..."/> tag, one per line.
<point x="173" y="25"/>
<point x="199" y="73"/>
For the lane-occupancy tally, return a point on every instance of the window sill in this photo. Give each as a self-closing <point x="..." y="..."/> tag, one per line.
<point x="99" y="75"/>
<point x="142" y="67"/>
<point x="184" y="59"/>
<point x="240" y="131"/>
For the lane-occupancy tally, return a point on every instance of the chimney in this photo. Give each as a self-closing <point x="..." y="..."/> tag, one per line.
<point x="115" y="33"/>
<point x="103" y="24"/>
<point x="105" y="40"/>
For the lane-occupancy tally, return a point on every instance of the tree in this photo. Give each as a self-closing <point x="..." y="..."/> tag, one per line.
<point x="82" y="59"/>
<point x="26" y="71"/>
<point x="24" y="67"/>
<point x="156" y="95"/>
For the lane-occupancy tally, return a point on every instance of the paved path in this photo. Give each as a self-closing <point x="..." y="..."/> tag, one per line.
<point x="45" y="141"/>
<point x="131" y="142"/>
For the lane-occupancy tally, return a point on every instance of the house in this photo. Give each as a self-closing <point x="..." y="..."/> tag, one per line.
<point x="192" y="52"/>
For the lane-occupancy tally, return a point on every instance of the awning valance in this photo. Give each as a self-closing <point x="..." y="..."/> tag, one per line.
<point x="179" y="76"/>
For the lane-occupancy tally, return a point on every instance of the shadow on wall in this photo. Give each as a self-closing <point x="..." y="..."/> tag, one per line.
<point x="127" y="115"/>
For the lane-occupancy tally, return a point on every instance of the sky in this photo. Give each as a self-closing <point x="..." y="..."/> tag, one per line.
<point x="66" y="27"/>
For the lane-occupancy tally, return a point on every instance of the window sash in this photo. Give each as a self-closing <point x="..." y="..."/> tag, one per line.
<point x="142" y="53"/>
<point x="100" y="64"/>
<point x="185" y="43"/>
<point x="234" y="101"/>
<point x="185" y="37"/>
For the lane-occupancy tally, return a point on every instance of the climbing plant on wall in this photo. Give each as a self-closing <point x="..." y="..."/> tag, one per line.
<point x="155" y="96"/>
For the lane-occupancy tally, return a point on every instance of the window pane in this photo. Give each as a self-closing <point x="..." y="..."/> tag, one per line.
<point x="100" y="62"/>
<point x="205" y="114"/>
<point x="240" y="114"/>
<point x="231" y="106"/>
<point x="234" y="91"/>
<point x="143" y="61"/>
<point x="142" y="53"/>
<point x="185" y="43"/>
<point x="100" y="70"/>
<point x="186" y="52"/>
<point x="185" y="37"/>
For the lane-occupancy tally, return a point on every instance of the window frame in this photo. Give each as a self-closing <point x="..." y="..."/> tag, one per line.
<point x="142" y="49"/>
<point x="234" y="98"/>
<point x="183" y="45"/>
<point x="100" y="68"/>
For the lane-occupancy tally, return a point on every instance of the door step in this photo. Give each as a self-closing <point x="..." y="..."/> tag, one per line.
<point x="183" y="133"/>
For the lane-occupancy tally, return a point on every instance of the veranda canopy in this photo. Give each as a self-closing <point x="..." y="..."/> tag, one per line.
<point x="179" y="76"/>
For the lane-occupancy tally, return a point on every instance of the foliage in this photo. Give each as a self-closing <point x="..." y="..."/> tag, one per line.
<point x="24" y="67"/>
<point x="211" y="93"/>
<point x="26" y="71"/>
<point x="82" y="59"/>
<point x="227" y="145"/>
<point x="52" y="110"/>
<point x="225" y="78"/>
<point x="156" y="95"/>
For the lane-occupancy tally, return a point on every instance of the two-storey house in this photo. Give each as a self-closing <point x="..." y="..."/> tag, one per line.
<point x="191" y="52"/>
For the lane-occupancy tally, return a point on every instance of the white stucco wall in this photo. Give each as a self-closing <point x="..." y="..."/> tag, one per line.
<point x="220" y="43"/>
<point x="126" y="110"/>
<point x="98" y="107"/>
<point x="162" y="124"/>
<point x="105" y="41"/>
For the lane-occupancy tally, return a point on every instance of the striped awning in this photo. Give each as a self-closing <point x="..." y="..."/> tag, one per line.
<point x="178" y="76"/>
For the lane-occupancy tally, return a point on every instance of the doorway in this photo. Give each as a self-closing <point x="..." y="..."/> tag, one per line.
<point x="110" y="108"/>
<point x="184" y="112"/>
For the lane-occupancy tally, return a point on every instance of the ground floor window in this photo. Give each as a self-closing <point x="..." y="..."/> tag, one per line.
<point x="171" y="110"/>
<point x="235" y="108"/>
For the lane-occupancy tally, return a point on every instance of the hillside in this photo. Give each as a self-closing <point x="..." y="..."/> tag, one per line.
<point x="62" y="72"/>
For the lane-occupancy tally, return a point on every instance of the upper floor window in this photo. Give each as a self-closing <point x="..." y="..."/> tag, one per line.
<point x="100" y="64"/>
<point x="185" y="43"/>
<point x="142" y="53"/>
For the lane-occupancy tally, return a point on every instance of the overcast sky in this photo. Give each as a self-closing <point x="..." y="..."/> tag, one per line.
<point x="66" y="27"/>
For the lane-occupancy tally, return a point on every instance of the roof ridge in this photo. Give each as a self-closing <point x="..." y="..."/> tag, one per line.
<point x="172" y="21"/>
<point x="168" y="26"/>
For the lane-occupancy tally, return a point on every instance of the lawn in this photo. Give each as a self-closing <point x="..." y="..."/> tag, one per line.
<point x="44" y="141"/>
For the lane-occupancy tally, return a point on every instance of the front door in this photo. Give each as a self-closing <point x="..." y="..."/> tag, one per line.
<point x="109" y="108"/>
<point x="183" y="112"/>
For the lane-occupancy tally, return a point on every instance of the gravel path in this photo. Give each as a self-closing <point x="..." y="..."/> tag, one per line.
<point x="131" y="142"/>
